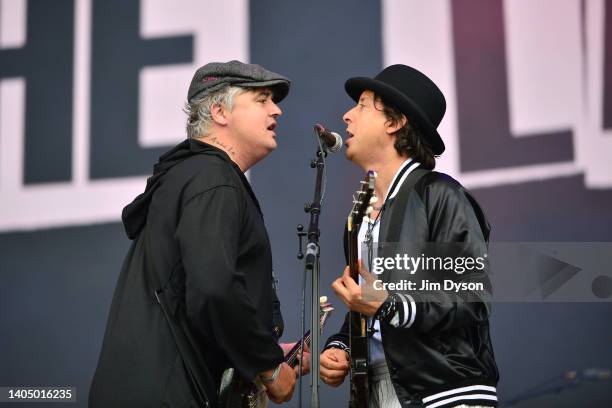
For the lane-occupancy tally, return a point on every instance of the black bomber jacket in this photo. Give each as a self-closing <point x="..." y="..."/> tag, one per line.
<point x="444" y="357"/>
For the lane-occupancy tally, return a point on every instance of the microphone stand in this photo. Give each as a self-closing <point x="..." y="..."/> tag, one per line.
<point x="311" y="264"/>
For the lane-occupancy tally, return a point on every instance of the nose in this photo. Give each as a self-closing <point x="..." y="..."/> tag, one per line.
<point x="347" y="116"/>
<point x="275" y="111"/>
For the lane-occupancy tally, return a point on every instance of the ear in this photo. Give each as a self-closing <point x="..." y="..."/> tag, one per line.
<point x="391" y="127"/>
<point x="219" y="114"/>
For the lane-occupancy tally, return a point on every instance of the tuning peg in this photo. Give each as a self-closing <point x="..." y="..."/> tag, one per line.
<point x="323" y="299"/>
<point x="369" y="210"/>
<point x="367" y="219"/>
<point x="373" y="199"/>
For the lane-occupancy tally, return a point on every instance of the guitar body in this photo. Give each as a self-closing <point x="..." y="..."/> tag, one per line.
<point x="360" y="384"/>
<point x="238" y="393"/>
<point x="358" y="327"/>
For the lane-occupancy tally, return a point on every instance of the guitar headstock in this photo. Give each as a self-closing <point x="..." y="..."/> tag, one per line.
<point x="362" y="202"/>
<point x="325" y="309"/>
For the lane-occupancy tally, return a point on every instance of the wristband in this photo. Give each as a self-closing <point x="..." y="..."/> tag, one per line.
<point x="273" y="377"/>
<point x="386" y="310"/>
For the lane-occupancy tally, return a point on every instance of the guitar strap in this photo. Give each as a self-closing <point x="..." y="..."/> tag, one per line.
<point x="200" y="377"/>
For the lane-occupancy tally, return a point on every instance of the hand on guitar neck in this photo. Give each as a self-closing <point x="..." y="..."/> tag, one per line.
<point x="352" y="294"/>
<point x="362" y="303"/>
<point x="278" y="386"/>
<point x="289" y="347"/>
<point x="281" y="389"/>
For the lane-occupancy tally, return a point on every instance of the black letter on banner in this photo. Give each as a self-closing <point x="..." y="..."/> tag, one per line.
<point x="607" y="72"/>
<point x="45" y="61"/>
<point x="482" y="95"/>
<point x="118" y="54"/>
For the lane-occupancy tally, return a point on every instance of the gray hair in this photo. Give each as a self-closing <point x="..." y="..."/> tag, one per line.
<point x="199" y="116"/>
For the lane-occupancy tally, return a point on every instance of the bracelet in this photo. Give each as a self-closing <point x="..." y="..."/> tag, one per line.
<point x="386" y="310"/>
<point x="273" y="377"/>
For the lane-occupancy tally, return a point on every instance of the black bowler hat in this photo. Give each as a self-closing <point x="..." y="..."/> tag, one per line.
<point x="412" y="93"/>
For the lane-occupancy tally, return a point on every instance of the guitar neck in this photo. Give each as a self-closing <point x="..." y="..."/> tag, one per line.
<point x="358" y="321"/>
<point x="325" y="310"/>
<point x="353" y="255"/>
<point x="291" y="357"/>
<point x="358" y="336"/>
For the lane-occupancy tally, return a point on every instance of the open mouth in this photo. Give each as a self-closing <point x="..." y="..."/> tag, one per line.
<point x="349" y="135"/>
<point x="272" y="127"/>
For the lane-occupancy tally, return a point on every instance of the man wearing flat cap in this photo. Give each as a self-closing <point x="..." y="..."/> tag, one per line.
<point x="427" y="348"/>
<point x="195" y="295"/>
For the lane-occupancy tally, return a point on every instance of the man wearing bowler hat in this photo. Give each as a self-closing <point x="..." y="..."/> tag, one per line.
<point x="195" y="295"/>
<point x="426" y="348"/>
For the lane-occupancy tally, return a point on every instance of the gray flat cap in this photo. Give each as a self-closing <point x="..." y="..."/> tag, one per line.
<point x="215" y="75"/>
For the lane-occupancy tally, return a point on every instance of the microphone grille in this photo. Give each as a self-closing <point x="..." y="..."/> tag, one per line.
<point x="338" y="145"/>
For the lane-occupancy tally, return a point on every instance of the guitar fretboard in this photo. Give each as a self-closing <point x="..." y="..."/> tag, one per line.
<point x="291" y="357"/>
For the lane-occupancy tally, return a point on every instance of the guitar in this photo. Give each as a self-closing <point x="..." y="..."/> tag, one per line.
<point x="358" y="334"/>
<point x="236" y="392"/>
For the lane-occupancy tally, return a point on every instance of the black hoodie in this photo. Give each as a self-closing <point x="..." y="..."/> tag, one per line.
<point x="198" y="226"/>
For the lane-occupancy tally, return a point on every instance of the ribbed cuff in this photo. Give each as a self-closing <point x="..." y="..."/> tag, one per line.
<point x="399" y="310"/>
<point x="337" y="344"/>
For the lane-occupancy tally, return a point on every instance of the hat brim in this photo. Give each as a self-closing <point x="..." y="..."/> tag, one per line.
<point x="280" y="88"/>
<point x="355" y="86"/>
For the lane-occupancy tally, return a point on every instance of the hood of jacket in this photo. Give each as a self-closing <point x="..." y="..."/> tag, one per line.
<point x="134" y="215"/>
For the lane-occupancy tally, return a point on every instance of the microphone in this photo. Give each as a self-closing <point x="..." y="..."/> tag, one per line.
<point x="330" y="139"/>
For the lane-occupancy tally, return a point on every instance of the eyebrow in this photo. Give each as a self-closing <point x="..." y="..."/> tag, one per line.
<point x="264" y="92"/>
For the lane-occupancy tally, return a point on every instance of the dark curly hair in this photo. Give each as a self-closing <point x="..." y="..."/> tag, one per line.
<point x="409" y="139"/>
